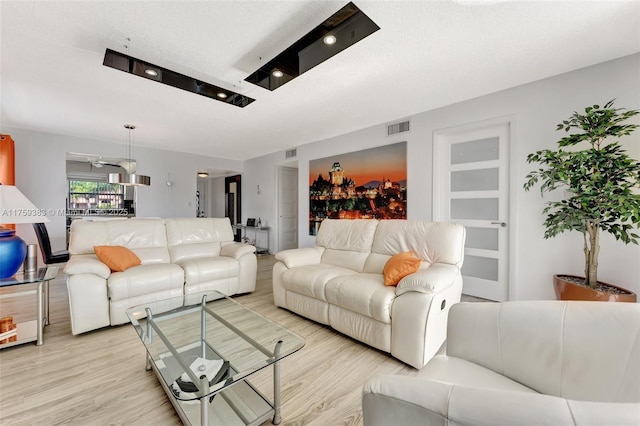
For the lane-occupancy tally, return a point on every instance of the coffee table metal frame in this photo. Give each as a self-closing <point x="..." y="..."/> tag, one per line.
<point x="41" y="278"/>
<point x="153" y="330"/>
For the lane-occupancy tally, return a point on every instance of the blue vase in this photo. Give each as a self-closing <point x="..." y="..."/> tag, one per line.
<point x="12" y="252"/>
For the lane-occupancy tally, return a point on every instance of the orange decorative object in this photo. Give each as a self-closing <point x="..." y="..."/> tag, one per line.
<point x="14" y="338"/>
<point x="7" y="160"/>
<point x="7" y="164"/>
<point x="6" y="324"/>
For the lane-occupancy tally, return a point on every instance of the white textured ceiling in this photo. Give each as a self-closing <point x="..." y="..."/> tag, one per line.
<point x="427" y="54"/>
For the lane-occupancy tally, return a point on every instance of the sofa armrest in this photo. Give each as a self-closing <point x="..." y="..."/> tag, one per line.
<point x="87" y="264"/>
<point x="300" y="256"/>
<point x="410" y="400"/>
<point x="420" y="314"/>
<point x="431" y="280"/>
<point x="236" y="250"/>
<point x="404" y="400"/>
<point x="88" y="302"/>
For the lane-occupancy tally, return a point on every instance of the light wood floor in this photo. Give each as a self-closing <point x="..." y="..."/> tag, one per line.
<point x="98" y="378"/>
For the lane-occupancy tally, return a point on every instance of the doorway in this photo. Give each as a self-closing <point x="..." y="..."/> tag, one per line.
<point x="471" y="187"/>
<point x="287" y="208"/>
<point x="233" y="204"/>
<point x="202" y="198"/>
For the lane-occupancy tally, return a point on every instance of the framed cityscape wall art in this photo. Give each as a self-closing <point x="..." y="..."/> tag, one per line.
<point x="367" y="184"/>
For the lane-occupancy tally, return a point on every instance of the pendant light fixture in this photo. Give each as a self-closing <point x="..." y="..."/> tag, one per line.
<point x="129" y="179"/>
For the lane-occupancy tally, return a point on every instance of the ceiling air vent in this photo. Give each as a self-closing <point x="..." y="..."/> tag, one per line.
<point x="291" y="153"/>
<point x="394" y="129"/>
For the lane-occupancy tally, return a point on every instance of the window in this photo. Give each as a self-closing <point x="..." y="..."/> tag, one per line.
<point x="95" y="197"/>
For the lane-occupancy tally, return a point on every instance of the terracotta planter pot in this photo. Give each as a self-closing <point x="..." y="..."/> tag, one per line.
<point x="567" y="290"/>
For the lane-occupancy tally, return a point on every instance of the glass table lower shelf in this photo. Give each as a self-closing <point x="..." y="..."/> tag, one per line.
<point x="240" y="404"/>
<point x="33" y="330"/>
<point x="204" y="354"/>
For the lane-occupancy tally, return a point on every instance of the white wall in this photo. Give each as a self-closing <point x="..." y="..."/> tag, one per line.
<point x="41" y="176"/>
<point x="536" y="109"/>
<point x="263" y="205"/>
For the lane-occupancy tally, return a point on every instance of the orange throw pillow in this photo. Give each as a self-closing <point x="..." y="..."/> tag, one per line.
<point x="117" y="258"/>
<point x="399" y="266"/>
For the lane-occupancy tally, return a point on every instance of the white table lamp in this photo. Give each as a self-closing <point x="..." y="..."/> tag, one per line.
<point x="15" y="208"/>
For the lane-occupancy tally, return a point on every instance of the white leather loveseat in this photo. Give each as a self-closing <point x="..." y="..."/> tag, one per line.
<point x="522" y="363"/>
<point x="340" y="282"/>
<point x="179" y="257"/>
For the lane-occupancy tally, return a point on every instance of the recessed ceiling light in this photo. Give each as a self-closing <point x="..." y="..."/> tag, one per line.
<point x="330" y="39"/>
<point x="277" y="73"/>
<point x="131" y="65"/>
<point x="151" y="72"/>
<point x="221" y="95"/>
<point x="348" y="24"/>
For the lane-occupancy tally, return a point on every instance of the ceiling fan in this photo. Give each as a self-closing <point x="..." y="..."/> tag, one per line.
<point x="99" y="163"/>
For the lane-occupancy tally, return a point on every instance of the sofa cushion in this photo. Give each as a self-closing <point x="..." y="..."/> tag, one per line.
<point x="347" y="243"/>
<point x="364" y="294"/>
<point x="192" y="238"/>
<point x="459" y="371"/>
<point x="431" y="241"/>
<point x="144" y="279"/>
<point x="361" y="327"/>
<point x="117" y="258"/>
<point x="137" y="233"/>
<point x="84" y="235"/>
<point x="194" y="251"/>
<point x="150" y="255"/>
<point x="548" y="354"/>
<point x="399" y="266"/>
<point x="202" y="270"/>
<point x="310" y="280"/>
<point x="145" y="237"/>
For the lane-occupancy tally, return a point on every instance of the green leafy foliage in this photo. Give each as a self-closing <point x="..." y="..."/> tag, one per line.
<point x="601" y="181"/>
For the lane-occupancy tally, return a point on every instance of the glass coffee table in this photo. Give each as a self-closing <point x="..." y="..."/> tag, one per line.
<point x="203" y="355"/>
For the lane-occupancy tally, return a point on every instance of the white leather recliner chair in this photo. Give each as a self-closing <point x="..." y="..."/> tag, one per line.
<point x="522" y="363"/>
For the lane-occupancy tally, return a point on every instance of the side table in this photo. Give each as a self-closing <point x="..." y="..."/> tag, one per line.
<point x="31" y="330"/>
<point x="256" y="230"/>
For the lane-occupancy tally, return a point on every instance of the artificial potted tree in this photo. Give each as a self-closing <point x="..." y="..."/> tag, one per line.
<point x="602" y="185"/>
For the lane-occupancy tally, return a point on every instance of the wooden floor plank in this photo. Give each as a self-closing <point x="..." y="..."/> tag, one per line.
<point x="98" y="378"/>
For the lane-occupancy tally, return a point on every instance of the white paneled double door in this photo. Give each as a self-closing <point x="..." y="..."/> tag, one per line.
<point x="471" y="187"/>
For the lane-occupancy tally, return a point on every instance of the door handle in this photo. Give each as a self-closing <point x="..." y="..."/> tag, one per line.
<point x="502" y="224"/>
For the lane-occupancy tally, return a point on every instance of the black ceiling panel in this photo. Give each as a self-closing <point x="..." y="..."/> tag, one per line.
<point x="131" y="65"/>
<point x="348" y="26"/>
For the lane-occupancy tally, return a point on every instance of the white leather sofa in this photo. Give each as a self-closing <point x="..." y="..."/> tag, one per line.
<point x="339" y="282"/>
<point x="522" y="363"/>
<point x="179" y="257"/>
